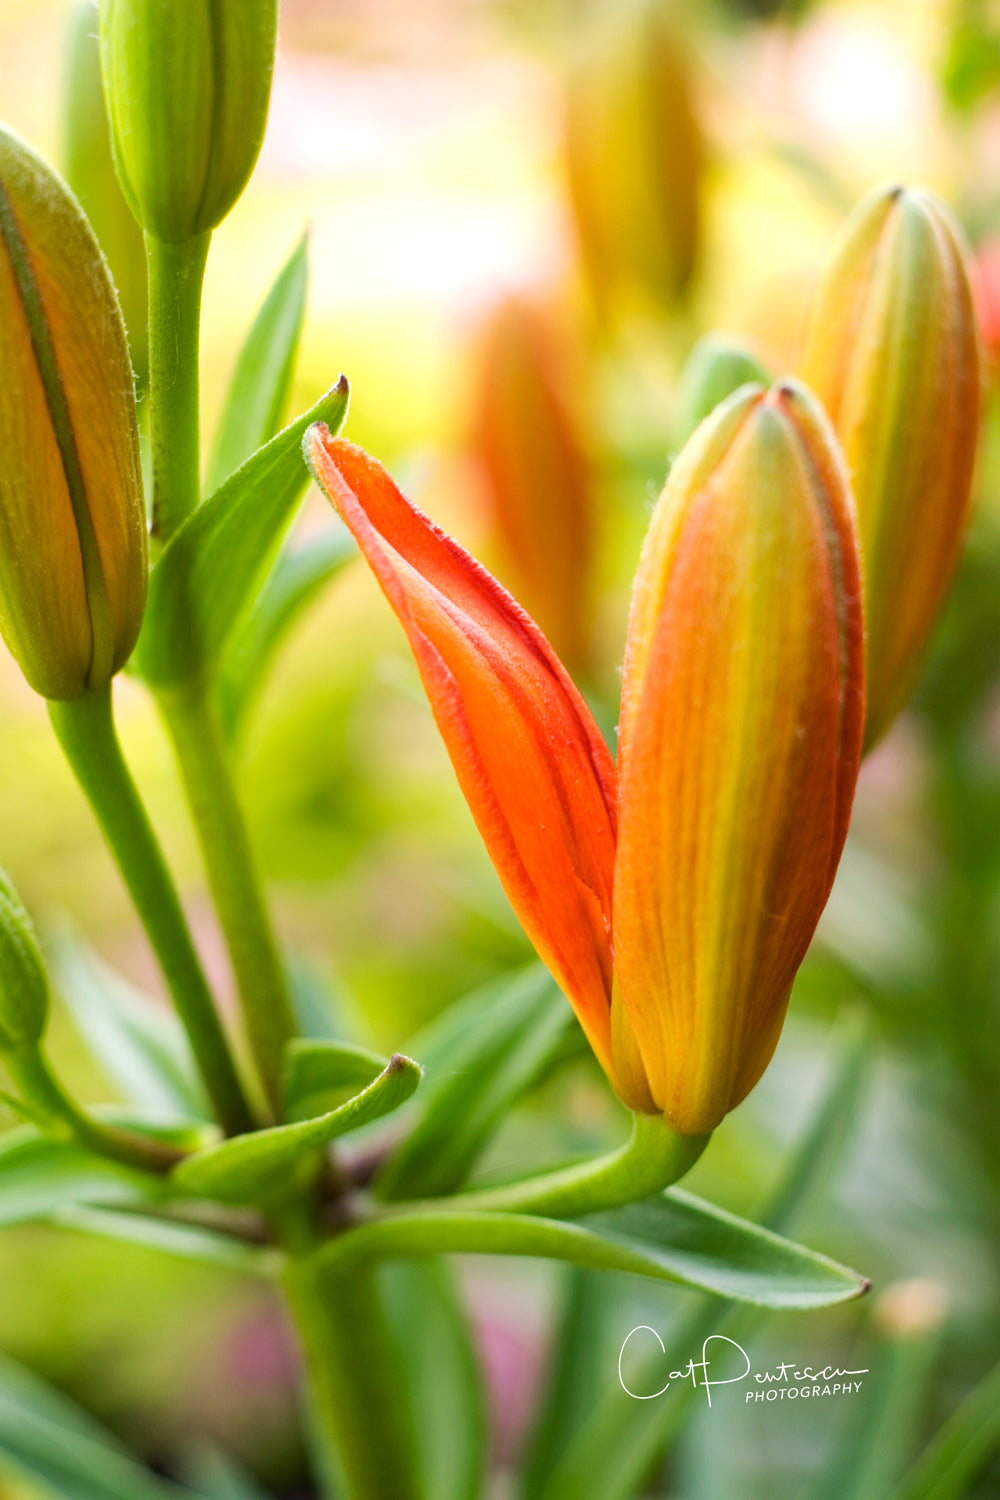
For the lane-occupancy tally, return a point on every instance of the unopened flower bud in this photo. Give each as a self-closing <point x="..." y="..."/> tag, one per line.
<point x="717" y="366"/>
<point x="72" y="521"/>
<point x="24" y="987"/>
<point x="634" y="157"/>
<point x="187" y="85"/>
<point x="892" y="351"/>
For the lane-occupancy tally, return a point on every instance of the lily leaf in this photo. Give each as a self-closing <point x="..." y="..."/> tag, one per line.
<point x="485" y="1054"/>
<point x="213" y="566"/>
<point x="39" y="1175"/>
<point x="256" y="1168"/>
<point x="262" y="377"/>
<point x="50" y="1443"/>
<point x="435" y="1349"/>
<point x="959" y="1449"/>
<point x="320" y="1076"/>
<point x="140" y="1045"/>
<point x="170" y="1237"/>
<point x="675" y="1238"/>
<point x="294" y="582"/>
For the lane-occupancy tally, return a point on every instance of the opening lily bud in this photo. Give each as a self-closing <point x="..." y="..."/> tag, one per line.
<point x="892" y="351"/>
<point x="24" y="987"/>
<point x="187" y="87"/>
<point x="72" y="521"/>
<point x="743" y="705"/>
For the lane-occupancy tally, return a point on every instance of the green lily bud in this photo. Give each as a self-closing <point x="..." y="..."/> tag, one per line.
<point x="72" y="521"/>
<point x="187" y="85"/>
<point x="90" y="172"/>
<point x="716" y="367"/>
<point x="24" y="987"/>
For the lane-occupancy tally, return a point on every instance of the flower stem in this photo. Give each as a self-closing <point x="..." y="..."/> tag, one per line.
<point x="176" y="274"/>
<point x="355" y="1393"/>
<point x="653" y="1157"/>
<point x="30" y="1070"/>
<point x="86" y="731"/>
<point x="192" y="720"/>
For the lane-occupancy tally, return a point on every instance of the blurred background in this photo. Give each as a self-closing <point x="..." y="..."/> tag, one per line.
<point x="523" y="215"/>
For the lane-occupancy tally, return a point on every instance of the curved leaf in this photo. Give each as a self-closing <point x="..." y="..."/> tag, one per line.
<point x="212" y="567"/>
<point x="256" y="1168"/>
<point x="170" y="1237"/>
<point x="319" y="1075"/>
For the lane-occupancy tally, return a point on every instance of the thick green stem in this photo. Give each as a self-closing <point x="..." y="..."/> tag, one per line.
<point x="86" y="731"/>
<point x="30" y="1070"/>
<point x="358" y="1408"/>
<point x="654" y="1157"/>
<point x="176" y="273"/>
<point x="193" y="722"/>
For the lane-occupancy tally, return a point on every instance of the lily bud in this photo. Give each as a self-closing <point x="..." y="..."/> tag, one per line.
<point x="739" y="744"/>
<point x="891" y="349"/>
<point x="717" y="366"/>
<point x="536" y="471"/>
<point x="634" y="156"/>
<point x="187" y="87"/>
<point x="72" y="521"/>
<point x="24" y="987"/>
<point x="90" y="172"/>
<point x="742" y="713"/>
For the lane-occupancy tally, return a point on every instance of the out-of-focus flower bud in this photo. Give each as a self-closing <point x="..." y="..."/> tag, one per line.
<point x="739" y="745"/>
<point x="634" y="156"/>
<point x="72" y="522"/>
<point x="988" y="288"/>
<point x="536" y="471"/>
<point x="187" y="86"/>
<point x="90" y="172"/>
<point x="891" y="350"/>
<point x="24" y="987"/>
<point x="717" y="366"/>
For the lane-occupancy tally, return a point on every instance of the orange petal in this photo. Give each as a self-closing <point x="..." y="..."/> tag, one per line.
<point x="739" y="743"/>
<point x="534" y="769"/>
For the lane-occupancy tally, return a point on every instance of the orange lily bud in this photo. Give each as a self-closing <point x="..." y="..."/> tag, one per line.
<point x="72" y="521"/>
<point x="634" y="157"/>
<point x="741" y="734"/>
<point x="891" y="350"/>
<point x="536" y="470"/>
<point x="534" y="769"/>
<point x="739" y="744"/>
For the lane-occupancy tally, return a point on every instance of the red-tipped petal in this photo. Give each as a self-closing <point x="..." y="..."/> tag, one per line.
<point x="536" y="774"/>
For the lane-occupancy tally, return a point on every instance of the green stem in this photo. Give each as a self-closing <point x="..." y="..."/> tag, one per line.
<point x="176" y="273"/>
<point x="86" y="731"/>
<point x="192" y="720"/>
<point x="653" y="1157"/>
<point x="357" y="1402"/>
<point x="30" y="1070"/>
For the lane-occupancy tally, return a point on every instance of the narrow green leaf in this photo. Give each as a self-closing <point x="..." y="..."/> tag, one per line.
<point x="171" y="1237"/>
<point x="577" y="1374"/>
<point x="480" y="1060"/>
<point x="442" y="1376"/>
<point x="215" y="1476"/>
<point x="320" y="1076"/>
<point x="39" y="1175"/>
<point x="262" y="377"/>
<point x="255" y="1168"/>
<point x="213" y="566"/>
<point x="140" y="1045"/>
<point x="294" y="582"/>
<point x="959" y="1449"/>
<point x="50" y="1442"/>
<point x="677" y="1238"/>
